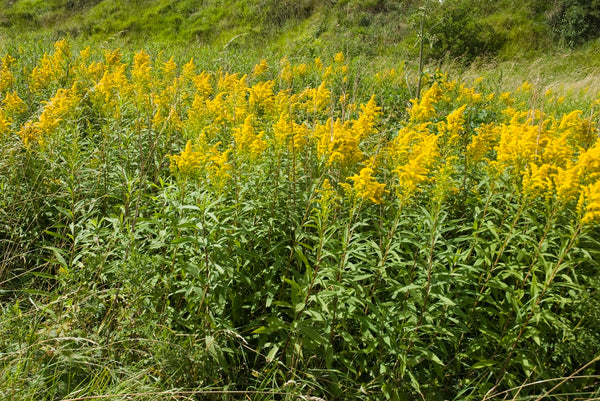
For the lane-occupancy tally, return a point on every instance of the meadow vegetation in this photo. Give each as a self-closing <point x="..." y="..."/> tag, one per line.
<point x="260" y="224"/>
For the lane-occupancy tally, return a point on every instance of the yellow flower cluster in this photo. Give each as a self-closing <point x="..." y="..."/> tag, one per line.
<point x="289" y="134"/>
<point x="413" y="154"/>
<point x="423" y="109"/>
<point x="327" y="197"/>
<point x="452" y="128"/>
<point x="260" y="68"/>
<point x="247" y="140"/>
<point x="553" y="158"/>
<point x="365" y="186"/>
<point x="316" y="99"/>
<point x="339" y="141"/>
<point x="7" y="79"/>
<point x="518" y="145"/>
<point x="590" y="197"/>
<point x="62" y="104"/>
<point x="261" y="97"/>
<point x="483" y="142"/>
<point x="306" y="117"/>
<point x="52" y="67"/>
<point x="207" y="159"/>
<point x="188" y="162"/>
<point x="11" y="107"/>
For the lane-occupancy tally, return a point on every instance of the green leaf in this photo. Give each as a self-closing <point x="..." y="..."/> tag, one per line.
<point x="44" y="275"/>
<point x="58" y="255"/>
<point x="272" y="353"/>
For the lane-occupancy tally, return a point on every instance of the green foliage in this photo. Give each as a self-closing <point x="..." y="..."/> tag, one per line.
<point x="575" y="21"/>
<point x="457" y="31"/>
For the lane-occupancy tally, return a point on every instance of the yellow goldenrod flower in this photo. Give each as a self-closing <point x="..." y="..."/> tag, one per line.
<point x="344" y="71"/>
<point x="285" y="73"/>
<point x="423" y="109"/>
<point x="51" y="68"/>
<point x="202" y="84"/>
<point x="318" y="64"/>
<point x="579" y="131"/>
<point x="94" y="71"/>
<point x="62" y="49"/>
<point x="55" y="110"/>
<point x="112" y="87"/>
<point x="215" y="108"/>
<point x="13" y="105"/>
<point x="401" y="148"/>
<point x="591" y="212"/>
<point x="327" y="72"/>
<point x="518" y="145"/>
<point x="328" y="198"/>
<point x="468" y="95"/>
<point x="537" y="180"/>
<point x="7" y="61"/>
<point x="367" y="187"/>
<point x="218" y="166"/>
<point x="316" y="99"/>
<point x="557" y="152"/>
<point x="338" y="142"/>
<point x="588" y="164"/>
<point x="113" y="58"/>
<point x="158" y="119"/>
<point x="288" y="133"/>
<point x="5" y="123"/>
<point x="260" y="68"/>
<point x="42" y="74"/>
<point x="188" y="72"/>
<point x="84" y="54"/>
<point x="486" y="138"/>
<point x="525" y="87"/>
<point x="29" y="133"/>
<point x="261" y="96"/>
<point x="444" y="183"/>
<point x="506" y="98"/>
<point x="453" y="126"/>
<point x="411" y="174"/>
<point x="364" y="125"/>
<point x="247" y="141"/>
<point x="142" y="68"/>
<point x="299" y="70"/>
<point x="187" y="162"/>
<point x="233" y="102"/>
<point x="566" y="183"/>
<point x="168" y="69"/>
<point x="7" y="79"/>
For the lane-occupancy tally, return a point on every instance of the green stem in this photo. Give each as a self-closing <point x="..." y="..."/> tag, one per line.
<point x="537" y="302"/>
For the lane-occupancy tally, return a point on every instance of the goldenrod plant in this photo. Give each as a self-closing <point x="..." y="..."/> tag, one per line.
<point x="290" y="232"/>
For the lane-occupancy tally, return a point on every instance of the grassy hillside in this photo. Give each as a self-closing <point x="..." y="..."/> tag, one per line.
<point x="370" y="27"/>
<point x="505" y="40"/>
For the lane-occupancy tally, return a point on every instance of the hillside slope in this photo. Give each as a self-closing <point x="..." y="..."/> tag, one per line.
<point x="455" y="29"/>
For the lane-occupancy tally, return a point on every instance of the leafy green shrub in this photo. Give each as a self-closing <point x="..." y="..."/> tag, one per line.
<point x="456" y="30"/>
<point x="575" y="21"/>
